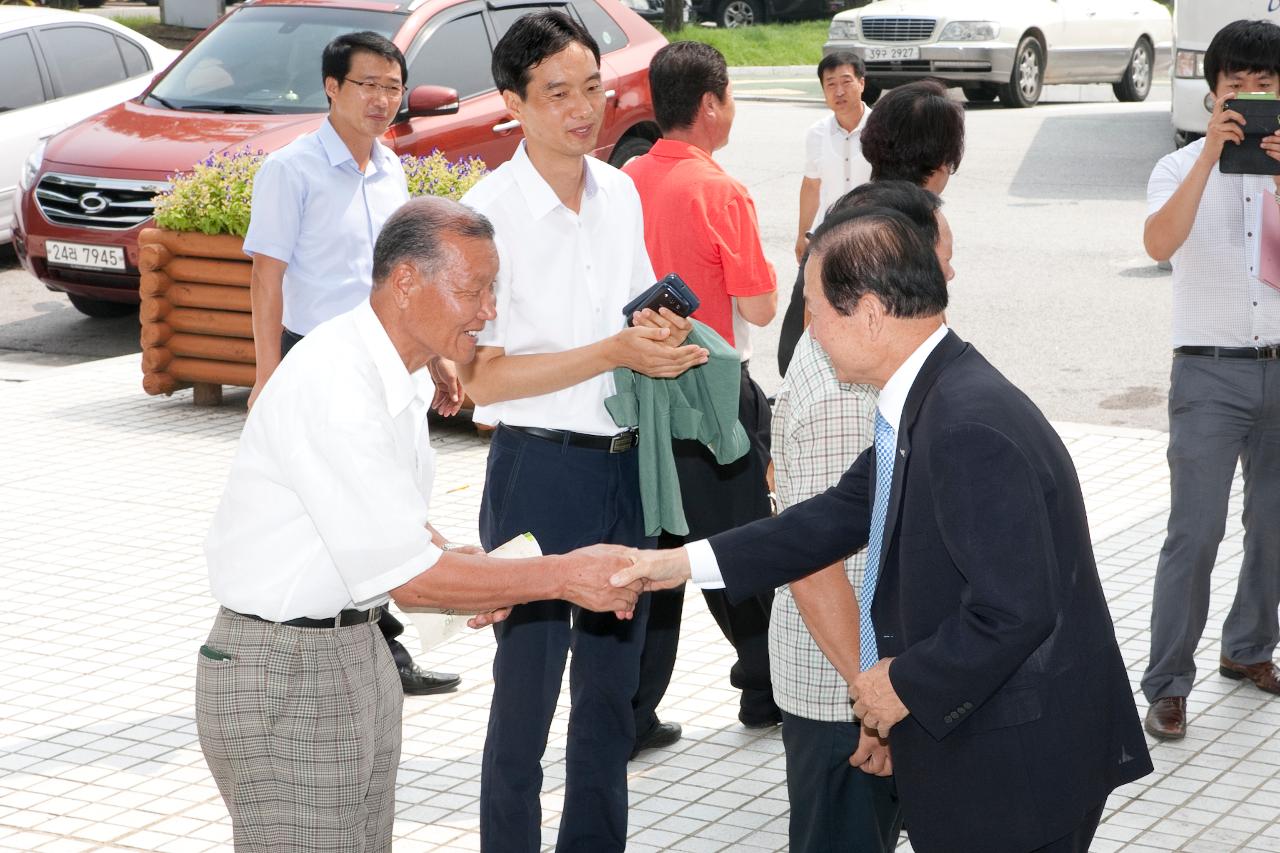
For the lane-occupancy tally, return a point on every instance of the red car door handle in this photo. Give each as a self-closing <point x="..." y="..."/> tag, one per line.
<point x="506" y="126"/>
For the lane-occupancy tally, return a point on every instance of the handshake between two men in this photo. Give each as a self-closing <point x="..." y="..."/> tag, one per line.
<point x="612" y="577"/>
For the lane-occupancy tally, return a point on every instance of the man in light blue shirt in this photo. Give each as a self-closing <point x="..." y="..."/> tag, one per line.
<point x="318" y="205"/>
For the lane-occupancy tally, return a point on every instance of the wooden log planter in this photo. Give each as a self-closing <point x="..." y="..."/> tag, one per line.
<point x="197" y="325"/>
<point x="197" y="330"/>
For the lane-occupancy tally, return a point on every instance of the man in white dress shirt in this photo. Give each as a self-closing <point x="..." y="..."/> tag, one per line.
<point x="324" y="517"/>
<point x="318" y="205"/>
<point x="1224" y="389"/>
<point x="833" y="161"/>
<point x="571" y="243"/>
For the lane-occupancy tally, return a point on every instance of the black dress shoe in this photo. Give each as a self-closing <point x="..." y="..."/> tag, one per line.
<point x="663" y="734"/>
<point x="767" y="721"/>
<point x="419" y="682"/>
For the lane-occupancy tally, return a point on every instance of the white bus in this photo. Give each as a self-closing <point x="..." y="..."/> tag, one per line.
<point x="1194" y="24"/>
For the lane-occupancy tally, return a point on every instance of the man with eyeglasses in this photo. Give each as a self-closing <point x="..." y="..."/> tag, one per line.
<point x="318" y="205"/>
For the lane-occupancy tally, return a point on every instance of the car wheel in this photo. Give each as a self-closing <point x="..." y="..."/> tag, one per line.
<point x="739" y="13"/>
<point x="983" y="94"/>
<point x="101" y="308"/>
<point x="628" y="149"/>
<point x="1136" y="83"/>
<point x="1027" y="77"/>
<point x="871" y="94"/>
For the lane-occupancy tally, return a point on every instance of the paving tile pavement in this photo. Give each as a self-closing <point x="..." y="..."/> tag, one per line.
<point x="105" y="496"/>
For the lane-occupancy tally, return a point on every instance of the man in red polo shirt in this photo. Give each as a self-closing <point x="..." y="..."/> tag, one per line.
<point x="701" y="223"/>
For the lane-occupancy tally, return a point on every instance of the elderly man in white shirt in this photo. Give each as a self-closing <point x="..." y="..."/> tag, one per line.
<point x="318" y="205"/>
<point x="324" y="518"/>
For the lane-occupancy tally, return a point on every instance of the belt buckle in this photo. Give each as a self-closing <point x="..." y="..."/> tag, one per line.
<point x="622" y="441"/>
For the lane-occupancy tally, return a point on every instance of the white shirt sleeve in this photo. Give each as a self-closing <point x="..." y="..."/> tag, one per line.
<point x="276" y="211"/>
<point x="704" y="569"/>
<point x="1165" y="179"/>
<point x="813" y="151"/>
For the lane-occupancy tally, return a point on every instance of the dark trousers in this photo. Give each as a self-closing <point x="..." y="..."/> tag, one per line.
<point x="834" y="807"/>
<point x="1079" y="839"/>
<point x="567" y="497"/>
<point x="390" y="626"/>
<point x="716" y="498"/>
<point x="792" y="322"/>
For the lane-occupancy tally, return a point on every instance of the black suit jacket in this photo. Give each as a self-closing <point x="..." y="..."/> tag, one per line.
<point x="1022" y="718"/>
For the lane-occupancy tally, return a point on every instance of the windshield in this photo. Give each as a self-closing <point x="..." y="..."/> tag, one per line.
<point x="264" y="59"/>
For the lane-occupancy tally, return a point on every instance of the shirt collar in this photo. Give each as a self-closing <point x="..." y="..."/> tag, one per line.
<point x="399" y="386"/>
<point x="893" y="397"/>
<point x="537" y="193"/>
<point x="679" y="150"/>
<point x="338" y="152"/>
<point x="840" y="131"/>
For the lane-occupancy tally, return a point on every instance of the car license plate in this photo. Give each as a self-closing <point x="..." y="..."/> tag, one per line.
<point x="86" y="256"/>
<point x="891" y="54"/>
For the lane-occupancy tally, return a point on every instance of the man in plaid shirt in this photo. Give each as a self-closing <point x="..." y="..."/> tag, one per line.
<point x="820" y="426"/>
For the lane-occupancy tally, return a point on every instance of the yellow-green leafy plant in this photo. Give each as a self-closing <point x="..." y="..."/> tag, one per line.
<point x="434" y="175"/>
<point x="216" y="196"/>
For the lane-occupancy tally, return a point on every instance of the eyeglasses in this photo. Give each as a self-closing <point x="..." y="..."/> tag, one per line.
<point x="372" y="90"/>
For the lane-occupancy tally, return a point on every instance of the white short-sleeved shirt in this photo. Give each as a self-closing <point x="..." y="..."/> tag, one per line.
<point x="1218" y="299"/>
<point x="317" y="212"/>
<point x="834" y="156"/>
<point x="326" y="505"/>
<point x="563" y="280"/>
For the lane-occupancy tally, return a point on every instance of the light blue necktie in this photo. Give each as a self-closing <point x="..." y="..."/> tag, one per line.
<point x="868" y="655"/>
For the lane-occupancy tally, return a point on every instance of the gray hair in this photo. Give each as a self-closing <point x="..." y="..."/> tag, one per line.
<point x="879" y="251"/>
<point x="413" y="234"/>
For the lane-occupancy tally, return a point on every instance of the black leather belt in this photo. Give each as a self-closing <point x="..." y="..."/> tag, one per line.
<point x="1253" y="353"/>
<point x="344" y="619"/>
<point x="619" y="443"/>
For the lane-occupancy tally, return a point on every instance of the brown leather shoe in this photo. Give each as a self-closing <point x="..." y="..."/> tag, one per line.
<point x="1167" y="718"/>
<point x="1264" y="675"/>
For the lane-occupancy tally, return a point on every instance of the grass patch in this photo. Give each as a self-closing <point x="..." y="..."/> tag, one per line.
<point x="768" y="44"/>
<point x="174" y="37"/>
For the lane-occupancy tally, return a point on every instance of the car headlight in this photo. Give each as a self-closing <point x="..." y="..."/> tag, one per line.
<point x="31" y="167"/>
<point x="1189" y="64"/>
<point x="970" y="31"/>
<point x="843" y="30"/>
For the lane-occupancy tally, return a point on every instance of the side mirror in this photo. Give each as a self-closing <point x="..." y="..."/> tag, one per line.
<point x="432" y="101"/>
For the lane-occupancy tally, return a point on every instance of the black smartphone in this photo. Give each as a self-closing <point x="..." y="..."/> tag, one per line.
<point x="670" y="293"/>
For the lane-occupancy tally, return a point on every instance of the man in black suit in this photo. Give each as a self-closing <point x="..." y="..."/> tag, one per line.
<point x="999" y="700"/>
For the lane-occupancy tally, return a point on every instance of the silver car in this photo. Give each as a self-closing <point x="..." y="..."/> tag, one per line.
<point x="1008" y="48"/>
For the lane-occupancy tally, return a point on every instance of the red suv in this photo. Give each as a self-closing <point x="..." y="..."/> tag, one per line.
<point x="253" y="81"/>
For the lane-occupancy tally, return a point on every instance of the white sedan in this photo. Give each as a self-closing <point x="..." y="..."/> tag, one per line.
<point x="58" y="68"/>
<point x="1007" y="48"/>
